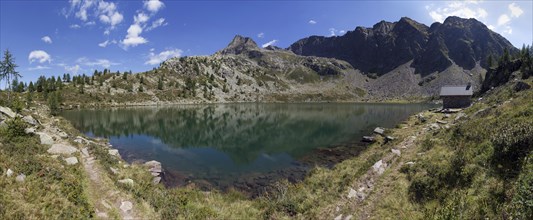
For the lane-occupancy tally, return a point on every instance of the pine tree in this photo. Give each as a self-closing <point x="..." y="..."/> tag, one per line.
<point x="7" y="70"/>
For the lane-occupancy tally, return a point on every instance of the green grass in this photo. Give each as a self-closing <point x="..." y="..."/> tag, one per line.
<point x="51" y="189"/>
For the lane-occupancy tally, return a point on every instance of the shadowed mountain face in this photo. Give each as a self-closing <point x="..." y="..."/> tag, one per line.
<point x="387" y="45"/>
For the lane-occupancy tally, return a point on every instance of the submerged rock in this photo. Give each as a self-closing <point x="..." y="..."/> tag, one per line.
<point x="379" y="131"/>
<point x="368" y="139"/>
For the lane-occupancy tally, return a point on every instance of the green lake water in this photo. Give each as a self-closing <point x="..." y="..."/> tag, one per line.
<point x="235" y="145"/>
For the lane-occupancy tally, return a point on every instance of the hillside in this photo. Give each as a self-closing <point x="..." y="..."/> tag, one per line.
<point x="404" y="60"/>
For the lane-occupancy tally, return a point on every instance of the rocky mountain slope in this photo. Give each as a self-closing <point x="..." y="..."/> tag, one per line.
<point x="387" y="45"/>
<point x="404" y="60"/>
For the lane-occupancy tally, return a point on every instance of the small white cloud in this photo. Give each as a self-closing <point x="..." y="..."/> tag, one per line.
<point x="154" y="59"/>
<point x="332" y="31"/>
<point x="342" y="32"/>
<point x="108" y="13"/>
<point x="75" y="26"/>
<point x="503" y="19"/>
<point x="508" y="30"/>
<point x="312" y="22"/>
<point x="157" y="23"/>
<point x="140" y="18"/>
<point x="516" y="11"/>
<point x="153" y="5"/>
<point x="261" y="35"/>
<point x="106" y="43"/>
<point x="133" y="37"/>
<point x="47" y="39"/>
<point x="40" y="56"/>
<point x="90" y="23"/>
<point x="107" y="32"/>
<point x="72" y="69"/>
<point x="38" y="68"/>
<point x="98" y="62"/>
<point x="272" y="42"/>
<point x="491" y="27"/>
<point x="464" y="9"/>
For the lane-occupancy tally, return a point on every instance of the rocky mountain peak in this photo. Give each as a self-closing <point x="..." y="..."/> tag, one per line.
<point x="240" y="44"/>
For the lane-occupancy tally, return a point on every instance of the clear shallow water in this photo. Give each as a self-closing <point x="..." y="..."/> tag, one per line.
<point x="235" y="145"/>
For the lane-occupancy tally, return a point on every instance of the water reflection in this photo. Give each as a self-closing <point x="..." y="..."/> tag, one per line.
<point x="221" y="143"/>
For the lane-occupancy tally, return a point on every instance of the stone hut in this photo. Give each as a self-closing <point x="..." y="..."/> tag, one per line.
<point x="456" y="96"/>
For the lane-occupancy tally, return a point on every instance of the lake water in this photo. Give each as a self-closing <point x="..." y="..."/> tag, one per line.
<point x="244" y="146"/>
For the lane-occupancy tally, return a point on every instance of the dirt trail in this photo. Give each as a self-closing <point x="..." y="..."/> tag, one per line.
<point x="109" y="202"/>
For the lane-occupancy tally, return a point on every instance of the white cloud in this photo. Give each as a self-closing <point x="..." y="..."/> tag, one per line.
<point x="75" y="26"/>
<point x="154" y="59"/>
<point x="332" y="31"/>
<point x="153" y="5"/>
<point x="261" y="35"/>
<point x="312" y="22"/>
<point x="503" y="19"/>
<point x="47" y="39"/>
<point x="491" y="27"/>
<point x="40" y="56"/>
<point x="272" y="42"/>
<point x="342" y="32"/>
<point x="107" y="32"/>
<point x="132" y="38"/>
<point x="140" y="18"/>
<point x="464" y="9"/>
<point x="38" y="68"/>
<point x="516" y="11"/>
<point x="106" y="43"/>
<point x="108" y="14"/>
<point x="508" y="30"/>
<point x="98" y="62"/>
<point x="72" y="69"/>
<point x="157" y="23"/>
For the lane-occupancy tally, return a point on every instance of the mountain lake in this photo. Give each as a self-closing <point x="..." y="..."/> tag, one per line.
<point x="240" y="146"/>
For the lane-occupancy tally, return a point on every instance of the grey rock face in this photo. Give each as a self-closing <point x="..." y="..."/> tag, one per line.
<point x="7" y="111"/>
<point x="46" y="139"/>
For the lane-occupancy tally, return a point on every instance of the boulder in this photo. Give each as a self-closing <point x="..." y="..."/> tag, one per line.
<point x="9" y="173"/>
<point x="379" y="131"/>
<point x="62" y="149"/>
<point x="29" y="130"/>
<point x="8" y="112"/>
<point x="521" y="86"/>
<point x="46" y="139"/>
<point x="368" y="139"/>
<point x="126" y="206"/>
<point x="339" y="217"/>
<point x="21" y="178"/>
<point x="126" y="181"/>
<point x="71" y="160"/>
<point x="379" y="167"/>
<point x="389" y="138"/>
<point x="434" y="126"/>
<point x="153" y="164"/>
<point x="113" y="170"/>
<point x="62" y="134"/>
<point x="30" y="120"/>
<point x="114" y="152"/>
<point x="156" y="180"/>
<point x="85" y="152"/>
<point x="397" y="152"/>
<point x="352" y="193"/>
<point x="459" y="116"/>
<point x="410" y="163"/>
<point x="442" y="122"/>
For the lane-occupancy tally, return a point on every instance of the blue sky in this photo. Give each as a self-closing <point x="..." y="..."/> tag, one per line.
<point x="78" y="36"/>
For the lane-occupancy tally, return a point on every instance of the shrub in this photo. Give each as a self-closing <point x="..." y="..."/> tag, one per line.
<point x="512" y="142"/>
<point x="16" y="127"/>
